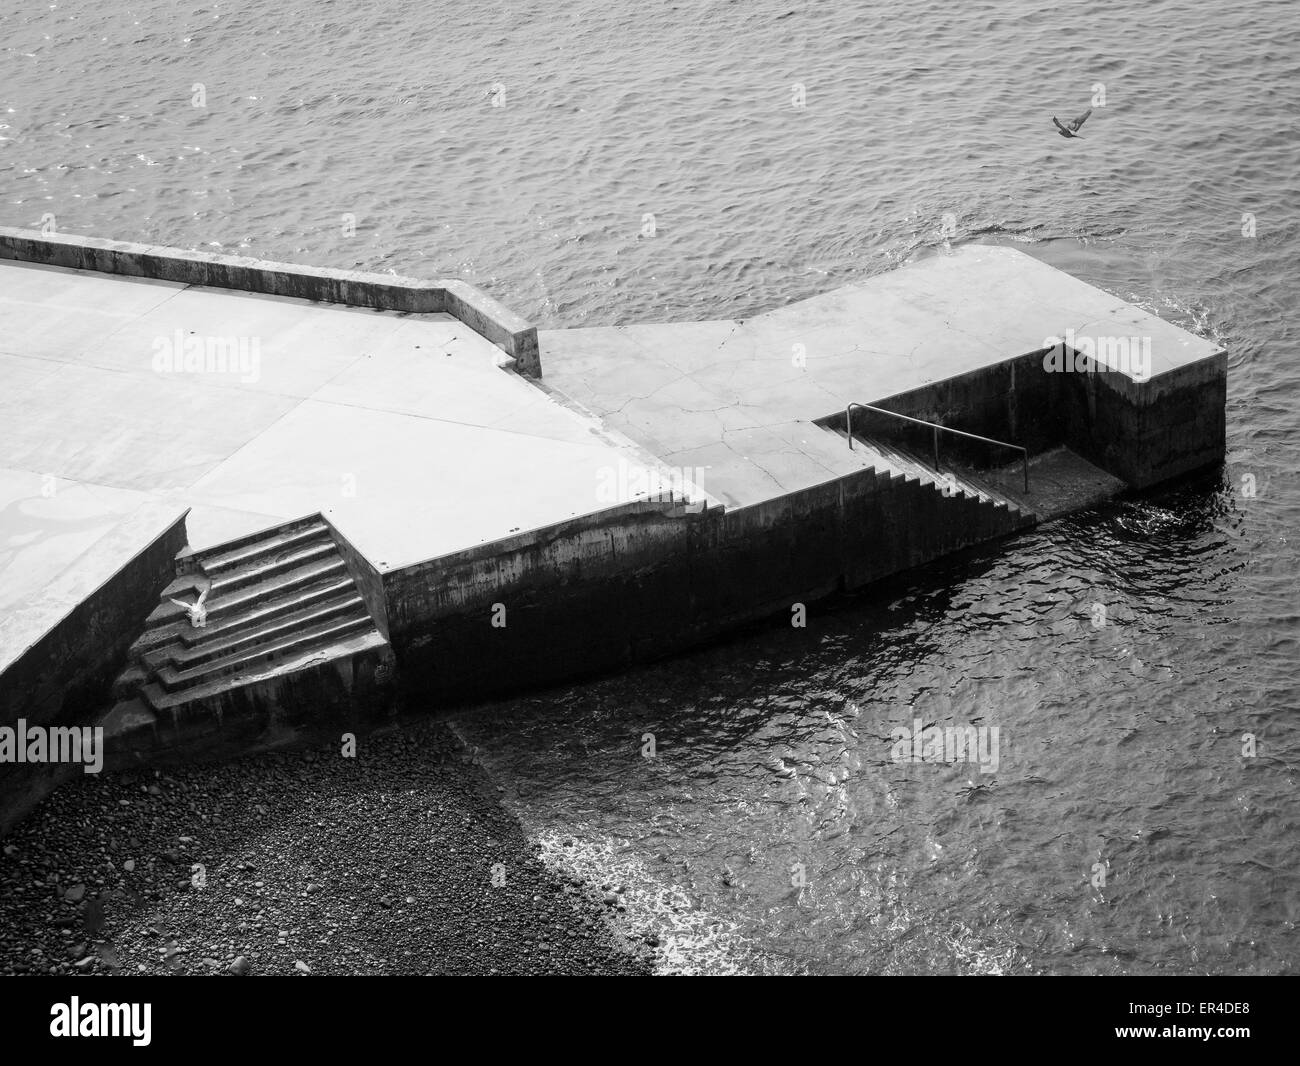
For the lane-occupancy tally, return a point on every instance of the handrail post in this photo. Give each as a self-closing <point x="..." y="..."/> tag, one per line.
<point x="1024" y="465"/>
<point x="936" y="449"/>
<point x="848" y="418"/>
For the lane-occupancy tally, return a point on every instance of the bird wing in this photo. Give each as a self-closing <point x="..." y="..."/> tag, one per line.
<point x="1057" y="123"/>
<point x="1078" y="122"/>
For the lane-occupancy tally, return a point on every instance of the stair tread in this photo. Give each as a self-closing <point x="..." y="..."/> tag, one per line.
<point x="287" y="603"/>
<point x="230" y="667"/>
<point x="286" y="558"/>
<point x="280" y="529"/>
<point x="336" y="607"/>
<point x="159" y="699"/>
<point x="900" y="461"/>
<point x="183" y="584"/>
<point x="186" y="638"/>
<point x="280" y="584"/>
<point x="227" y="558"/>
<point x="989" y="492"/>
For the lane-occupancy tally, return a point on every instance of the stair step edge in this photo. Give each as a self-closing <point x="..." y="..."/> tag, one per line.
<point x="268" y="651"/>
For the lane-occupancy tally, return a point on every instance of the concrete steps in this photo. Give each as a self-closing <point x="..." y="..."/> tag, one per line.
<point x="251" y="657"/>
<point x="317" y="595"/>
<point x="249" y="551"/>
<point x="235" y="639"/>
<point x="157" y="698"/>
<point x="889" y="458"/>
<point x="262" y="570"/>
<point x="277" y="601"/>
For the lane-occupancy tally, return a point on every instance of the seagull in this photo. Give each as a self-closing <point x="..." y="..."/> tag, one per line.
<point x="197" y="612"/>
<point x="1072" y="130"/>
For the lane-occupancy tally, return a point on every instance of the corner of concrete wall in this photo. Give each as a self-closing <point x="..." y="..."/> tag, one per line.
<point x="1142" y="432"/>
<point x="507" y="330"/>
<point x="365" y="575"/>
<point x="1146" y="432"/>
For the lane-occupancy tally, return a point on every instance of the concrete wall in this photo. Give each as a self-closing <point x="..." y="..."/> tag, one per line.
<point x="367" y="578"/>
<point x="644" y="580"/>
<point x="1147" y="432"/>
<point x="480" y="312"/>
<point x="1010" y="401"/>
<point x="66" y="676"/>
<point x="68" y="673"/>
<point x="1142" y="432"/>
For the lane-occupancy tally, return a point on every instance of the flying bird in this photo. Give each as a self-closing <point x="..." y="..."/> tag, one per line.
<point x="1071" y="130"/>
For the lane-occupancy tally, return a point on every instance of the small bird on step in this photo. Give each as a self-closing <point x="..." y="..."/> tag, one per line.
<point x="197" y="612"/>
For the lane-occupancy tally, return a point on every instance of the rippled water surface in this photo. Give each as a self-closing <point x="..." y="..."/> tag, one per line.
<point x="1120" y="745"/>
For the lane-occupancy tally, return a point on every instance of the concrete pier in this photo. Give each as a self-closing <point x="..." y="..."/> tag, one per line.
<point x="739" y="398"/>
<point x="511" y="508"/>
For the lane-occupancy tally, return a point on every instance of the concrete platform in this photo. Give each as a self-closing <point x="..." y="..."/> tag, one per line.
<point x="727" y="395"/>
<point x="397" y="422"/>
<point x="406" y="431"/>
<point x="402" y="427"/>
<point x="1060" y="483"/>
<point x="395" y="410"/>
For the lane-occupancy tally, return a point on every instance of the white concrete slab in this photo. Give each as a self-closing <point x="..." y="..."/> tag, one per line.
<point x="55" y="550"/>
<point x="46" y="523"/>
<point x="727" y="393"/>
<point x="405" y="428"/>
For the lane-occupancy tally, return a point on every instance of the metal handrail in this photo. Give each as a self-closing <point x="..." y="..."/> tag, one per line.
<point x="1024" y="453"/>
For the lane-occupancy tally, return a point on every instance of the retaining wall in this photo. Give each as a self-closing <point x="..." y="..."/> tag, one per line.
<point x="640" y="581"/>
<point x="1152" y="431"/>
<point x="367" y="578"/>
<point x="486" y="316"/>
<point x="1142" y="432"/>
<point x="66" y="676"/>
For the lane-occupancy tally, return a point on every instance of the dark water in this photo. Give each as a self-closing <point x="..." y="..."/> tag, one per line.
<point x="1120" y="745"/>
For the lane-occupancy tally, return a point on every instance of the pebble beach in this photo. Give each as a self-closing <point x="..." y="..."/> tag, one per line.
<point x="400" y="860"/>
